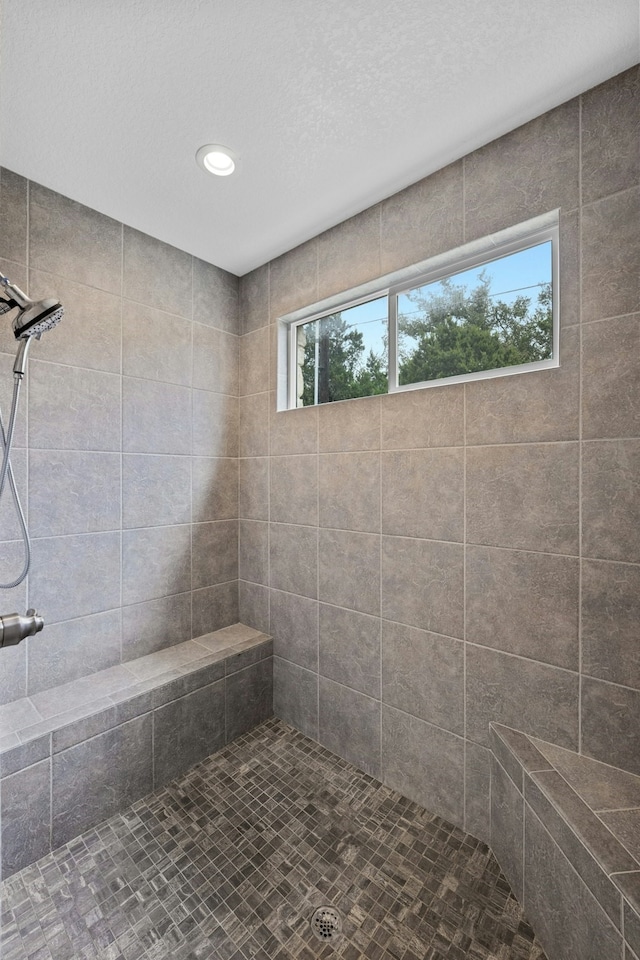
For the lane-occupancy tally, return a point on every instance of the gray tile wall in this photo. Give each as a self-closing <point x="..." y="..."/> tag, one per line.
<point x="126" y="446"/>
<point x="505" y="587"/>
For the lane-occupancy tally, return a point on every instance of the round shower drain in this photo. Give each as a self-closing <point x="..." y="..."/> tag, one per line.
<point x="326" y="923"/>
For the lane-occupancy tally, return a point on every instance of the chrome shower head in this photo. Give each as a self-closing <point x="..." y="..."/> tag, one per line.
<point x="34" y="317"/>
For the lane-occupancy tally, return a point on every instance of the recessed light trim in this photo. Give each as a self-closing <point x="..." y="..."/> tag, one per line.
<point x="217" y="159"/>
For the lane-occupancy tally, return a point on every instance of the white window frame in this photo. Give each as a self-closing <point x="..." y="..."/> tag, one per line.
<point x="512" y="240"/>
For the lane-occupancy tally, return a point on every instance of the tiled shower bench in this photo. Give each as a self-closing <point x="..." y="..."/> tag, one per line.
<point x="566" y="832"/>
<point x="77" y="754"/>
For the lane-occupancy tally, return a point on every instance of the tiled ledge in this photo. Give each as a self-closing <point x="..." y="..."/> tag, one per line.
<point x="591" y="811"/>
<point x="83" y="751"/>
<point x="180" y="668"/>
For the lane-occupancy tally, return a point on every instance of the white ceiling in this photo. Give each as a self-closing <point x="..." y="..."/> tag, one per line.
<point x="331" y="104"/>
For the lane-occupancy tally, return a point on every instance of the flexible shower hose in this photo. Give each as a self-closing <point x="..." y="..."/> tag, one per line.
<point x="7" y="471"/>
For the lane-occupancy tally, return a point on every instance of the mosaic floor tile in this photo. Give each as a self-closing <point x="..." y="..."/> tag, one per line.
<point x="230" y="861"/>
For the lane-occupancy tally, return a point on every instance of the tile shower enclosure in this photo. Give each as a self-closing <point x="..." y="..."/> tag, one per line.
<point x="426" y="562"/>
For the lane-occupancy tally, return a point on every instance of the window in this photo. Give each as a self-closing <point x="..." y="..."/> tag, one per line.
<point x="487" y="309"/>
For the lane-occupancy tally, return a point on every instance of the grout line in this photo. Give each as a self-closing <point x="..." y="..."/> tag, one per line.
<point x="26" y="394"/>
<point x="379" y="408"/>
<point x="122" y="268"/>
<point x="317" y="456"/>
<point x="191" y="458"/>
<point x="464" y="603"/>
<point x="464" y="200"/>
<point x="580" y="430"/>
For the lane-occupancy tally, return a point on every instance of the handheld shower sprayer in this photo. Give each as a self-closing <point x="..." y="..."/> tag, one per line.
<point x="31" y="318"/>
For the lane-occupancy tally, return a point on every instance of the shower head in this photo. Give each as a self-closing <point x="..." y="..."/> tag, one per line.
<point x="33" y="316"/>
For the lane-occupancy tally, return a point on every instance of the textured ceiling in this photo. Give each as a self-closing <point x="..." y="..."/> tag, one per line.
<point x="331" y="104"/>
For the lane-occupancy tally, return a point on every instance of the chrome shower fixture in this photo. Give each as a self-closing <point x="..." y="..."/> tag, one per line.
<point x="33" y="316"/>
<point x="31" y="319"/>
<point x="14" y="628"/>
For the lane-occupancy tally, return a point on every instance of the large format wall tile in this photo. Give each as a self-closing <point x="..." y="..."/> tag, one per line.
<point x="214" y="552"/>
<point x="291" y="431"/>
<point x="253" y="488"/>
<point x="610" y="617"/>
<point x="248" y="698"/>
<point x="533" y="697"/>
<point x="422" y="584"/>
<point x="294" y="628"/>
<point x="254" y="363"/>
<point x="349" y="491"/>
<point x="349" y="649"/>
<point x="215" y="360"/>
<point x="507" y="817"/>
<point x="610" y="501"/>
<point x="349" y="570"/>
<point x="155" y="624"/>
<point x="423" y="418"/>
<point x="347" y="427"/>
<point x="527" y="172"/>
<point x="349" y="725"/>
<point x="611" y="724"/>
<point x="99" y="777"/>
<point x="293" y="279"/>
<point x="215" y="297"/>
<point x="13" y="217"/>
<point x="73" y="409"/>
<point x="524" y="496"/>
<point x="254" y="299"/>
<point x="424" y="763"/>
<point x="349" y="253"/>
<point x="13" y="679"/>
<point x="253" y="432"/>
<point x="423" y="674"/>
<point x="477" y="791"/>
<point x="295" y="696"/>
<point x="541" y="405"/>
<point x="73" y="648"/>
<point x="294" y="490"/>
<point x="187" y="730"/>
<point x="157" y="274"/>
<point x="611" y="271"/>
<point x="611" y="378"/>
<point x="155" y="490"/>
<point x="214" y="607"/>
<point x="26" y="817"/>
<point x="525" y="603"/>
<point x="253" y="555"/>
<point x="156" y="562"/>
<point x="156" y="417"/>
<point x="253" y="605"/>
<point x="89" y="334"/>
<point x="215" y="425"/>
<point x="423" y="494"/>
<point x="9" y="520"/>
<point x="74" y="241"/>
<point x="76" y="576"/>
<point x="568" y="921"/>
<point x="293" y="559"/>
<point x="610" y="136"/>
<point x="423" y="220"/>
<point x="155" y="345"/>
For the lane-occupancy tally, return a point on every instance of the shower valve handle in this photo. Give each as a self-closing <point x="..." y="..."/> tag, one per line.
<point x="14" y="628"/>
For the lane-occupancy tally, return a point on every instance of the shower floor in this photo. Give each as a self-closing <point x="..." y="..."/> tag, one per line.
<point x="231" y="860"/>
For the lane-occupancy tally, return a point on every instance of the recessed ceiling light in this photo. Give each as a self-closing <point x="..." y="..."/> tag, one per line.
<point x="214" y="158"/>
